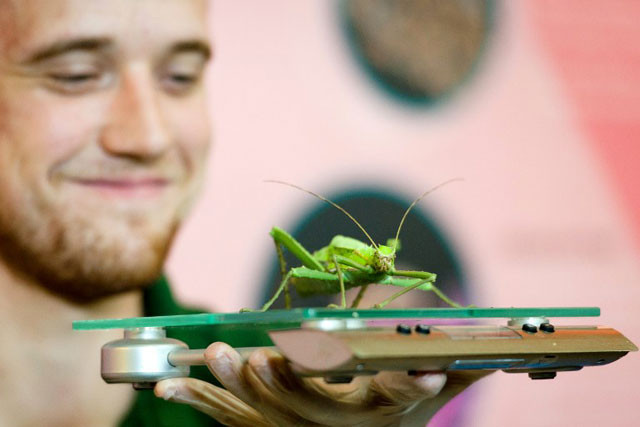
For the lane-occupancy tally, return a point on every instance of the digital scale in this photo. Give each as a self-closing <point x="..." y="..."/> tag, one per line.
<point x="339" y="344"/>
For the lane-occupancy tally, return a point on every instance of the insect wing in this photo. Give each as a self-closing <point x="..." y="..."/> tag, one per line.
<point x="322" y="254"/>
<point x="350" y="243"/>
<point x="353" y="249"/>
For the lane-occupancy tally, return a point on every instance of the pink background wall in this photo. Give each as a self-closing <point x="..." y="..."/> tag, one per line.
<point x="545" y="135"/>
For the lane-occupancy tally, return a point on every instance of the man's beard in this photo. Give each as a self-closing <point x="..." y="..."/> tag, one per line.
<point x="79" y="260"/>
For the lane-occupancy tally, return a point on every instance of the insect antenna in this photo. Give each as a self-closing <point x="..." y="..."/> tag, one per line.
<point x="415" y="202"/>
<point x="324" y="199"/>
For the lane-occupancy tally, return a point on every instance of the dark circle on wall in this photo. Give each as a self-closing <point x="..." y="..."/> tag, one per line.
<point x="420" y="51"/>
<point x="423" y="246"/>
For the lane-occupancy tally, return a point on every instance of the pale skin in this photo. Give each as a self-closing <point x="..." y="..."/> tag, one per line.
<point x="104" y="130"/>
<point x="94" y="137"/>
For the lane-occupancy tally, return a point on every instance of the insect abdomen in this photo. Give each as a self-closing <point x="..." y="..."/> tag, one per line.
<point x="312" y="282"/>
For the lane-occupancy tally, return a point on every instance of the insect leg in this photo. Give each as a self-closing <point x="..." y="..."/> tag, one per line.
<point x="431" y="277"/>
<point x="428" y="277"/>
<point x="360" y="267"/>
<point x="283" y="285"/>
<point x="343" y="302"/>
<point x="287" y="240"/>
<point x="445" y="298"/>
<point x="282" y="262"/>
<point x="420" y="284"/>
<point x="282" y="238"/>
<point x="402" y="292"/>
<point x="283" y="272"/>
<point x="357" y="266"/>
<point x="351" y="263"/>
<point x="361" y="292"/>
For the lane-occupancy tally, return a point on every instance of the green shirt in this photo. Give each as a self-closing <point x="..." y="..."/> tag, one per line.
<point x="150" y="411"/>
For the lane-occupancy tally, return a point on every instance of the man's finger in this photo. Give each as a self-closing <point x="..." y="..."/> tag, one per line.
<point x="269" y="370"/>
<point x="401" y="389"/>
<point x="228" y="367"/>
<point x="213" y="401"/>
<point x="457" y="381"/>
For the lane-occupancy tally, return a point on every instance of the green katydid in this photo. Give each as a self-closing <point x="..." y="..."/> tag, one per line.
<point x="347" y="263"/>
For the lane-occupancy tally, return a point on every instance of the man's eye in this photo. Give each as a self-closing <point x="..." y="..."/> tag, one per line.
<point x="184" y="79"/>
<point x="74" y="78"/>
<point x="182" y="73"/>
<point x="73" y="83"/>
<point x="180" y="83"/>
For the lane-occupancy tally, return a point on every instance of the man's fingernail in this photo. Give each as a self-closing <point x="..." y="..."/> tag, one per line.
<point x="221" y="360"/>
<point x="170" y="393"/>
<point x="217" y="351"/>
<point x="221" y="364"/>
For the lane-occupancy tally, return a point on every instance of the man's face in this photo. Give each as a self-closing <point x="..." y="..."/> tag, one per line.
<point x="103" y="133"/>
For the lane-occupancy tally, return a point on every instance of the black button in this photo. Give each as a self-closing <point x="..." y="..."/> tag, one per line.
<point x="542" y="375"/>
<point x="338" y="379"/>
<point x="423" y="329"/>
<point x="528" y="327"/>
<point x="403" y="329"/>
<point x="547" y="327"/>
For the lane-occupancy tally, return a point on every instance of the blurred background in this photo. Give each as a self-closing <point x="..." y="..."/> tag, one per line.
<point x="535" y="104"/>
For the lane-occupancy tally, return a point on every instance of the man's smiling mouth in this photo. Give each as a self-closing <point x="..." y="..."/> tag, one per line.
<point x="127" y="187"/>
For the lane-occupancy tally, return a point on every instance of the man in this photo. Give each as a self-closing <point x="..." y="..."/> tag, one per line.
<point x="103" y="132"/>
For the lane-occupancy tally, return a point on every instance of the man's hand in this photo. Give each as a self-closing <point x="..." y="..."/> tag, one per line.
<point x="263" y="391"/>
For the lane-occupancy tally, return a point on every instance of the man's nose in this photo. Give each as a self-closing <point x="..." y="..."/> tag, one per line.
<point x="136" y="126"/>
